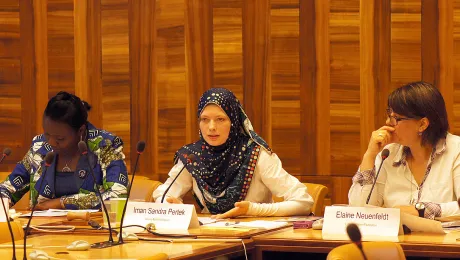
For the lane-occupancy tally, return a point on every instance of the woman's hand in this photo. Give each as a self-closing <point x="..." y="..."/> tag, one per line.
<point x="379" y="139"/>
<point x="173" y="200"/>
<point x="49" y="204"/>
<point x="241" y="208"/>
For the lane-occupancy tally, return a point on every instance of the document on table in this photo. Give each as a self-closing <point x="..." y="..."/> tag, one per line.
<point x="417" y="224"/>
<point x="56" y="212"/>
<point x="256" y="224"/>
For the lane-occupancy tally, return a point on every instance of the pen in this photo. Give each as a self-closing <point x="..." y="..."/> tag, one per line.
<point x="231" y="223"/>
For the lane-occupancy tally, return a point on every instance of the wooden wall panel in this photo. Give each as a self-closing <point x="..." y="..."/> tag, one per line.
<point x="29" y="94"/>
<point x="228" y="45"/>
<point x="40" y="40"/>
<point x="116" y="103"/>
<point x="61" y="52"/>
<point x="437" y="47"/>
<point x="446" y="48"/>
<point x="256" y="65"/>
<point x="313" y="75"/>
<point x="455" y="120"/>
<point x="171" y="82"/>
<point x="323" y="133"/>
<point x="405" y="42"/>
<point x="10" y="81"/>
<point x="308" y="86"/>
<point x="375" y="43"/>
<point x="345" y="85"/>
<point x="88" y="52"/>
<point x="144" y="105"/>
<point x="199" y="56"/>
<point x="285" y="87"/>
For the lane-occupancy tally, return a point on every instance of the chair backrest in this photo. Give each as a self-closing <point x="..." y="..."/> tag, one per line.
<point x="143" y="188"/>
<point x="318" y="193"/>
<point x="16" y="227"/>
<point x="372" y="250"/>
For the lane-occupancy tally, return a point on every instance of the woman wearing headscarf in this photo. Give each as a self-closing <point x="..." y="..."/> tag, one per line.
<point x="235" y="172"/>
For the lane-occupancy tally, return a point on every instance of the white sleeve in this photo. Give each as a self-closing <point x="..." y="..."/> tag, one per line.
<point x="180" y="187"/>
<point x="452" y="208"/>
<point x="358" y="193"/>
<point x="297" y="201"/>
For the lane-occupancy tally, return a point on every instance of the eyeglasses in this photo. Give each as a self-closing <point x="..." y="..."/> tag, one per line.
<point x="394" y="119"/>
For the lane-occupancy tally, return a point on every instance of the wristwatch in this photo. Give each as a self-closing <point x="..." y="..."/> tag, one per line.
<point x="420" y="207"/>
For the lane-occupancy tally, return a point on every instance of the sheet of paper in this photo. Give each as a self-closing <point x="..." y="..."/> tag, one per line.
<point x="417" y="224"/>
<point x="256" y="224"/>
<point x="448" y="219"/>
<point x="55" y="212"/>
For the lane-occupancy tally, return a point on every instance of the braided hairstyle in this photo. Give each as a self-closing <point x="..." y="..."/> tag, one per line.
<point x="67" y="108"/>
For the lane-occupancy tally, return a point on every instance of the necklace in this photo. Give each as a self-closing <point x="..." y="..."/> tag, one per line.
<point x="66" y="168"/>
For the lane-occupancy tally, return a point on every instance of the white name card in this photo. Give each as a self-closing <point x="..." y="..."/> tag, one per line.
<point x="374" y="223"/>
<point x="164" y="216"/>
<point x="7" y="207"/>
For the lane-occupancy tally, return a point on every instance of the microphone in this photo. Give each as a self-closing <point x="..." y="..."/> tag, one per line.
<point x="83" y="148"/>
<point x="385" y="154"/>
<point x="190" y="159"/>
<point x="49" y="158"/>
<point x="7" y="152"/>
<point x="355" y="236"/>
<point x="140" y="149"/>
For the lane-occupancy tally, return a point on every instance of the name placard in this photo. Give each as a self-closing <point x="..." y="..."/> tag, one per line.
<point x="164" y="216"/>
<point x="372" y="222"/>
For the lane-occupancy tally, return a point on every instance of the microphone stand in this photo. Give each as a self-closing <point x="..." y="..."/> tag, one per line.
<point x="49" y="158"/>
<point x="6" y="152"/>
<point x="140" y="149"/>
<point x="84" y="152"/>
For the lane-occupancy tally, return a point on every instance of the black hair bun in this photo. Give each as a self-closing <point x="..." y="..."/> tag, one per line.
<point x="62" y="95"/>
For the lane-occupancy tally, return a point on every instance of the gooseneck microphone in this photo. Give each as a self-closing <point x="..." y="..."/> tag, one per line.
<point x="355" y="236"/>
<point x="83" y="148"/>
<point x="140" y="149"/>
<point x="49" y="158"/>
<point x="385" y="154"/>
<point x="190" y="159"/>
<point x="7" y="152"/>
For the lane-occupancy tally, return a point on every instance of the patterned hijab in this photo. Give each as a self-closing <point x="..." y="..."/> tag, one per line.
<point x="224" y="173"/>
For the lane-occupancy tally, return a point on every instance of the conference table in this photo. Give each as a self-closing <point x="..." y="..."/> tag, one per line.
<point x="258" y="243"/>
<point x="311" y="241"/>
<point x="54" y="244"/>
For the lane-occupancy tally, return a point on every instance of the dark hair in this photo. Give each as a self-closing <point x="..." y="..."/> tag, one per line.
<point x="421" y="99"/>
<point x="68" y="108"/>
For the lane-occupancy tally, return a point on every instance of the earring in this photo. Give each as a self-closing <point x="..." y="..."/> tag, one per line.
<point x="81" y="136"/>
<point x="420" y="133"/>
